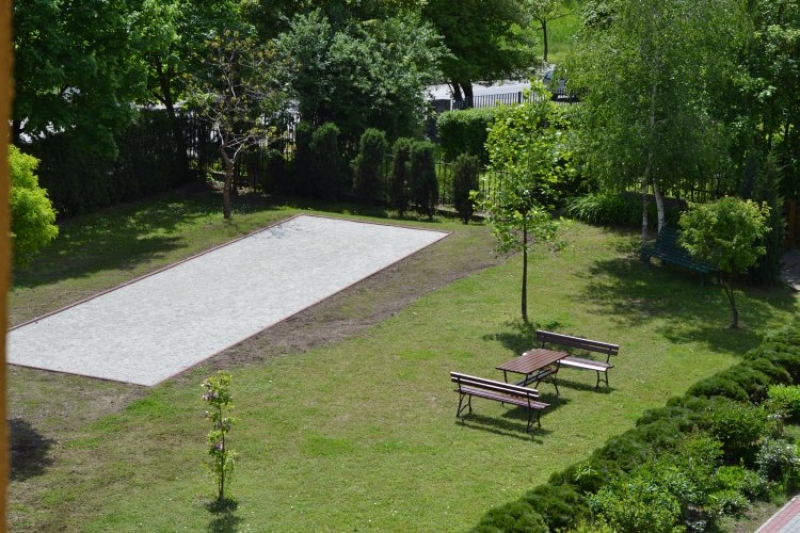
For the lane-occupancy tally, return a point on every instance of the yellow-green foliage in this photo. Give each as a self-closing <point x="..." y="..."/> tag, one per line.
<point x="32" y="215"/>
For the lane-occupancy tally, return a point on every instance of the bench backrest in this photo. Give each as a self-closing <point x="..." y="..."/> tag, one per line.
<point x="579" y="343"/>
<point x="489" y="384"/>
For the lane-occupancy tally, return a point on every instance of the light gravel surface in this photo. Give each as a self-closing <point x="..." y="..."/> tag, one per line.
<point x="149" y="330"/>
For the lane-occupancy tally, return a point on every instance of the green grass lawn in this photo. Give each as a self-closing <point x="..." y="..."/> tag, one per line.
<point x="360" y="434"/>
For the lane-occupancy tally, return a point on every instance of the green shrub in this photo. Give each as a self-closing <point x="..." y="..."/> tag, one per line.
<point x="515" y="517"/>
<point x="424" y="184"/>
<point x="778" y="375"/>
<point x="465" y="131"/>
<point x="753" y="382"/>
<point x="785" y="400"/>
<point x="400" y="179"/>
<point x="328" y="175"/>
<point x="741" y="480"/>
<point x="615" y="209"/>
<point x="561" y="506"/>
<point x="778" y="461"/>
<point x="466" y="171"/>
<point x="638" y="503"/>
<point x="719" y="385"/>
<point x="368" y="165"/>
<point x="739" y="427"/>
<point x="627" y="451"/>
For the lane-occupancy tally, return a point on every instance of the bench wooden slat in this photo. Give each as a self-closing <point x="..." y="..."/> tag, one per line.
<point x="587" y="345"/>
<point x="469" y="386"/>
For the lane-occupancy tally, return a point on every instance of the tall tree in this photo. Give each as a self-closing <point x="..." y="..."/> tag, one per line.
<point x="168" y="35"/>
<point x="528" y="153"/>
<point x="361" y="75"/>
<point x="543" y="12"/>
<point x="652" y="69"/>
<point x="75" y="70"/>
<point x="483" y="40"/>
<point x="238" y="95"/>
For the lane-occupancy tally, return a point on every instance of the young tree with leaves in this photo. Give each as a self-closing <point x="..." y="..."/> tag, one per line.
<point x="528" y="153"/>
<point x="236" y="92"/>
<point x="727" y="233"/>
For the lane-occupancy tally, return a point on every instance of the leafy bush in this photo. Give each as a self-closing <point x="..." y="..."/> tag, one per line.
<point x="32" y="215"/>
<point x="778" y="460"/>
<point x="739" y="427"/>
<point x="400" y="179"/>
<point x="719" y="385"/>
<point x="741" y="480"/>
<point x="466" y="170"/>
<point x="424" y="184"/>
<point x="615" y="209"/>
<point x="561" y="506"/>
<point x="368" y="165"/>
<point x="515" y="517"/>
<point x="785" y="400"/>
<point x="465" y="132"/>
<point x="328" y="176"/>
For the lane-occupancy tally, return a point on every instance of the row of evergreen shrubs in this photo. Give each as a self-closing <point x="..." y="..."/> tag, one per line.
<point x="703" y="456"/>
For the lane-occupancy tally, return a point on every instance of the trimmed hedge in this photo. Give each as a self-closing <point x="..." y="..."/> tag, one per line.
<point x="465" y="132"/>
<point x="727" y="410"/>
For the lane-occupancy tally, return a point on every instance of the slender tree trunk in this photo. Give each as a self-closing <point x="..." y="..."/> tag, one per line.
<point x="524" y="299"/>
<point x="165" y="82"/>
<point x="226" y="187"/>
<point x="649" y="166"/>
<point x="659" y="204"/>
<point x="543" y="22"/>
<point x="458" y="96"/>
<point x="732" y="301"/>
<point x="469" y="99"/>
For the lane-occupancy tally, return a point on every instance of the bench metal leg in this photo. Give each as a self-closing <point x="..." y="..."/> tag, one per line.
<point x="604" y="379"/>
<point x="462" y="405"/>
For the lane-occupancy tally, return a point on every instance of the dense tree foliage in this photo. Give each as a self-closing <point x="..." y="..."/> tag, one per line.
<point x="32" y="214"/>
<point x="484" y="40"/>
<point x="652" y="71"/>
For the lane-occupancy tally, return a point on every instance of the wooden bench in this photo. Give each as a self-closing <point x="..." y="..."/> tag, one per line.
<point x="667" y="249"/>
<point x="468" y="386"/>
<point x="585" y="345"/>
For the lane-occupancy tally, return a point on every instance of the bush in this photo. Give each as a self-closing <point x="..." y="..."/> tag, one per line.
<point x="719" y="385"/>
<point x="465" y="131"/>
<point x="466" y="170"/>
<point x="778" y="461"/>
<point x="328" y="175"/>
<point x="400" y="179"/>
<point x="615" y="209"/>
<point x="741" y="480"/>
<point x="424" y="183"/>
<point x="368" y="165"/>
<point x="515" y="517"/>
<point x="32" y="215"/>
<point x="739" y="427"/>
<point x="561" y="506"/>
<point x="785" y="400"/>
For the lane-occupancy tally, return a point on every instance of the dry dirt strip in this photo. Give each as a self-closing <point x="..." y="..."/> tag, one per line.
<point x="157" y="326"/>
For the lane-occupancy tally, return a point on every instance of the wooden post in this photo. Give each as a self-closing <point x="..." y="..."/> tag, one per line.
<point x="6" y="94"/>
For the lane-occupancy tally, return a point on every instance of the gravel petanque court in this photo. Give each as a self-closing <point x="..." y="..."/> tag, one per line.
<point x="157" y="326"/>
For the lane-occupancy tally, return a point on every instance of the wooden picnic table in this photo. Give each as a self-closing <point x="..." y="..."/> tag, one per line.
<point x="535" y="365"/>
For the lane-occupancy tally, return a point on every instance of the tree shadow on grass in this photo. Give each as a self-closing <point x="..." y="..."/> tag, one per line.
<point x="29" y="450"/>
<point x="225" y="519"/>
<point x="522" y="336"/>
<point x="633" y="295"/>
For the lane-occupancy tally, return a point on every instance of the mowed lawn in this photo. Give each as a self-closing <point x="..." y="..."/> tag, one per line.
<point x="360" y="434"/>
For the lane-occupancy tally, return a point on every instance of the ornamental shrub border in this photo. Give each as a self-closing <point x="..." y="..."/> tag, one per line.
<point x="728" y="407"/>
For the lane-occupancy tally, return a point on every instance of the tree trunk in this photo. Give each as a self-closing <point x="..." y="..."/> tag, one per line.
<point x="659" y="204"/>
<point x="543" y="22"/>
<point x="732" y="301"/>
<point x="644" y="211"/>
<point x="469" y="99"/>
<point x="458" y="96"/>
<point x="164" y="81"/>
<point x="524" y="302"/>
<point x="226" y="187"/>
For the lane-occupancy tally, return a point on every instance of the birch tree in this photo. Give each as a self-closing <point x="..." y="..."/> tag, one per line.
<point x="652" y="68"/>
